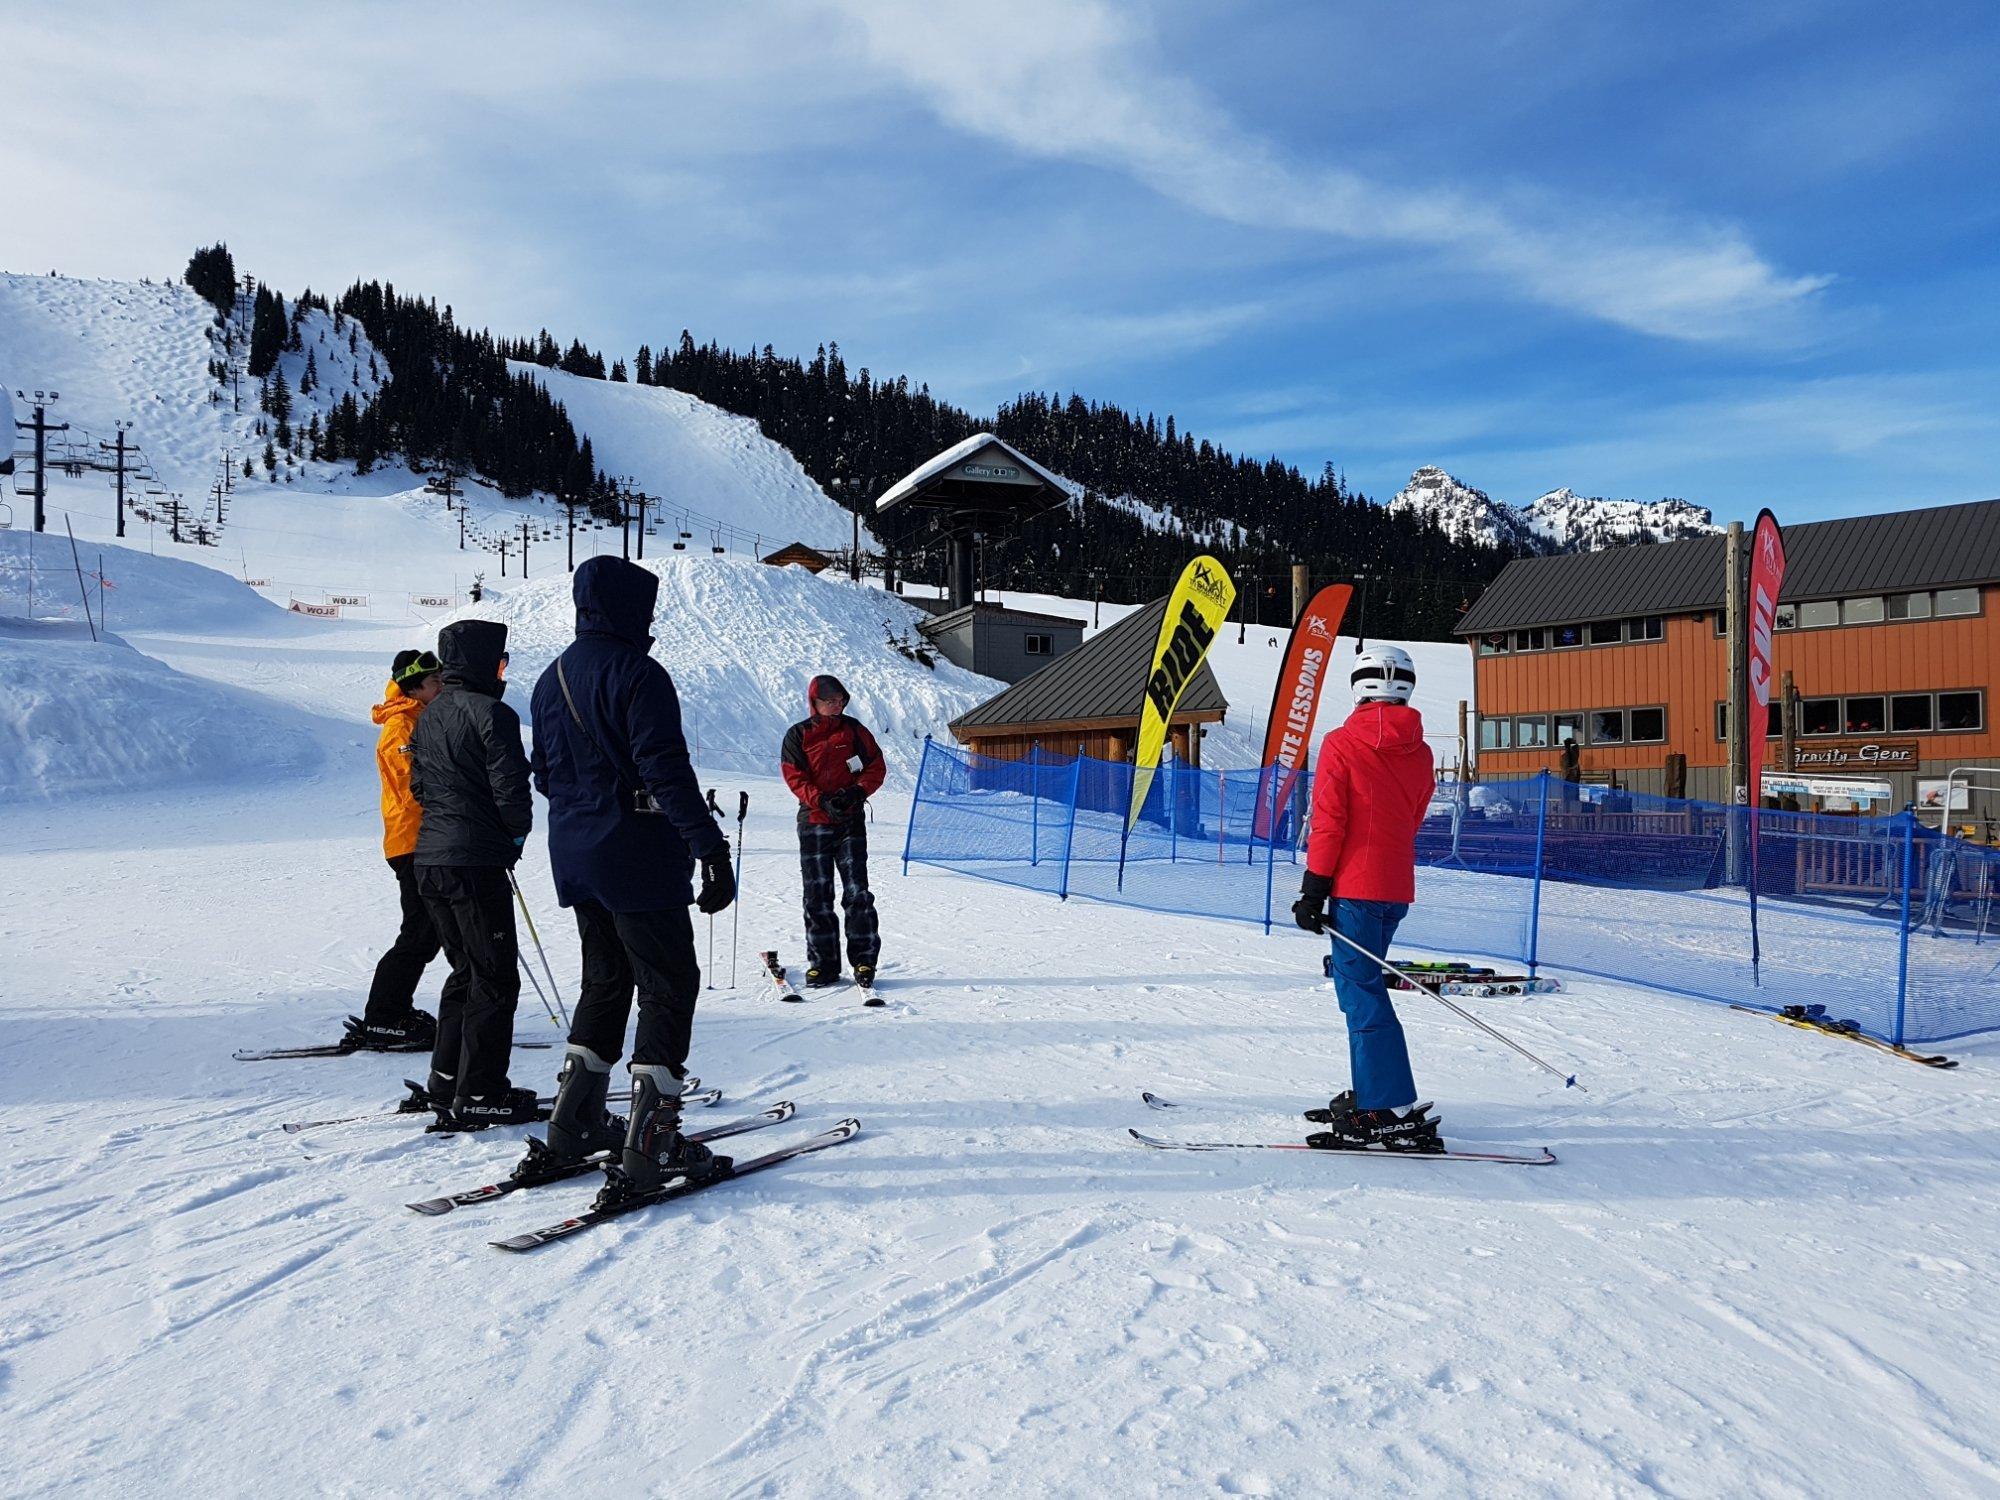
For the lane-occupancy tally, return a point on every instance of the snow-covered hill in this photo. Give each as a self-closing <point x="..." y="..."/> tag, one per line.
<point x="716" y="476"/>
<point x="140" y="353"/>
<point x="1560" y="520"/>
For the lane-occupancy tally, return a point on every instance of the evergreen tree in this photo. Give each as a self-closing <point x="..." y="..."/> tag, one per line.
<point x="642" y="365"/>
<point x="618" y="371"/>
<point x="270" y="457"/>
<point x="267" y="332"/>
<point x="211" y="273"/>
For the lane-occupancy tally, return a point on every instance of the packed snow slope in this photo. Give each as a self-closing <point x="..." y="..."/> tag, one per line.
<point x="139" y="352"/>
<point x="715" y="476"/>
<point x="742" y="640"/>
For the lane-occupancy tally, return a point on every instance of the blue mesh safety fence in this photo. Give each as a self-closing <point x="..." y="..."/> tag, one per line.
<point x="1880" y="921"/>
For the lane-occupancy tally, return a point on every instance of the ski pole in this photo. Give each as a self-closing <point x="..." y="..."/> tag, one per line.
<point x="716" y="813"/>
<point x="1569" y="1080"/>
<point x="736" y="913"/>
<point x="553" y="991"/>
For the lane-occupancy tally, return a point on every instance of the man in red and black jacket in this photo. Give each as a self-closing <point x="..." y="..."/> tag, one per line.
<point x="833" y="765"/>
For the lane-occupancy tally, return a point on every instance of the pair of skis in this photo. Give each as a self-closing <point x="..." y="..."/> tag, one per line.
<point x="1162" y="1143"/>
<point x="1815" y="1018"/>
<point x="789" y="992"/>
<point x="1486" y="985"/>
<point x="419" y="1103"/>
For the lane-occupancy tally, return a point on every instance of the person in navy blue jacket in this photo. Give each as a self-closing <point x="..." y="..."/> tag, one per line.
<point x="627" y="825"/>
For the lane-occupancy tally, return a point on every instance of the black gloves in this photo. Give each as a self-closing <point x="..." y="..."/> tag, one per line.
<point x="1309" y="911"/>
<point x="718" y="882"/>
<point x="843" y="804"/>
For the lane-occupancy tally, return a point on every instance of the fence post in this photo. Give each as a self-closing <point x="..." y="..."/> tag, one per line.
<point x="1069" y="834"/>
<point x="1221" y="813"/>
<point x="1903" y="951"/>
<point x="1270" y="846"/>
<point x="916" y="796"/>
<point x="1173" y="812"/>
<point x="1535" y="905"/>
<point x="1034" y="813"/>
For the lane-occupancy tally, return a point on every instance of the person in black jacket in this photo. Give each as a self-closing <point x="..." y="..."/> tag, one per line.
<point x="470" y="773"/>
<point x="627" y="824"/>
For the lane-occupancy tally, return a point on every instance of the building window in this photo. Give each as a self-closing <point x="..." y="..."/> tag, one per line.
<point x="1787" y="617"/>
<point x="1566" y="727"/>
<point x="1646" y="628"/>
<point x="1534" y="639"/>
<point x="1865" y="716"/>
<point x="1040" y="645"/>
<point x="1495" y="734"/>
<point x="1566" y="635"/>
<point x="1774" y="720"/>
<point x="1819" y="716"/>
<point x="1531" y="734"/>
<point x="1909" y="606"/>
<point x="1606" y="632"/>
<point x="1867" y="610"/>
<point x="1493" y="645"/>
<point x="1957" y="602"/>
<point x="1819" y="613"/>
<point x="1648" y="725"/>
<point x="1607" y="726"/>
<point x="1960" y="710"/>
<point x="1910" y="713"/>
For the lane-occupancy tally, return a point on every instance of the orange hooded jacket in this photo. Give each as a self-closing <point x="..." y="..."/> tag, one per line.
<point x="402" y="814"/>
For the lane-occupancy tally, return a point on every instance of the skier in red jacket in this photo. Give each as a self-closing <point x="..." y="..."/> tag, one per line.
<point x="1370" y="793"/>
<point x="833" y="765"/>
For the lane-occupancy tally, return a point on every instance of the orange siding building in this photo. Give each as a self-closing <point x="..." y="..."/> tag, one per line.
<point x="1889" y="626"/>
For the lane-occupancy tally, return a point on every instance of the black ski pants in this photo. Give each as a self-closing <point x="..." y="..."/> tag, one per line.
<point x="473" y="909"/>
<point x="652" y="952"/>
<point x="401" y="969"/>
<point x="825" y="849"/>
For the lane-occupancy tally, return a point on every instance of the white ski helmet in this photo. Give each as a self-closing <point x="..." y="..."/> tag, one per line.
<point x="1384" y="672"/>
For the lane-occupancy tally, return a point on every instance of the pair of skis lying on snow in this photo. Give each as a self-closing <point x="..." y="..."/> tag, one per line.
<point x="775" y="972"/>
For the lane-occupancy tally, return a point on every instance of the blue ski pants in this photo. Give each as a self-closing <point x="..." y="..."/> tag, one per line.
<point x="1376" y="1052"/>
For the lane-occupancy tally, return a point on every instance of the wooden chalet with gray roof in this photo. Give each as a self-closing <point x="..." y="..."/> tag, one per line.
<point x="1089" y="700"/>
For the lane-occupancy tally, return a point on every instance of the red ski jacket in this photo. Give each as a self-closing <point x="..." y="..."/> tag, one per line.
<point x="1370" y="792"/>
<point x="823" y="755"/>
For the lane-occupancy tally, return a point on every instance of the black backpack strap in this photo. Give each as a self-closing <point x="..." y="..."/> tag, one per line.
<point x="562" y="681"/>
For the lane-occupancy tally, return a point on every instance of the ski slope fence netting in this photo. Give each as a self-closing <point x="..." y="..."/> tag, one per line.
<point x="1882" y="921"/>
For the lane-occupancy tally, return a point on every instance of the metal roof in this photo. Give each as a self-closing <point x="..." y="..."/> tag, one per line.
<point x="1939" y="547"/>
<point x="1104" y="678"/>
<point x="951" y="619"/>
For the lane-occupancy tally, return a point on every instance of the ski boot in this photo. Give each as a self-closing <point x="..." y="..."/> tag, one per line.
<point x="579" y="1125"/>
<point x="1340" y="1104"/>
<point x="504" y="1106"/>
<point x="654" y="1151"/>
<point x="415" y="1031"/>
<point x="818" y="978"/>
<point x="1384" y="1129"/>
<point x="864" y="975"/>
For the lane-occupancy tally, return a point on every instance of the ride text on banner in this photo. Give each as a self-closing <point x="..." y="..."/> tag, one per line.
<point x="1195" y="612"/>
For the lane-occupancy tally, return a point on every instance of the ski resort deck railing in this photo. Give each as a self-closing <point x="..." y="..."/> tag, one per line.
<point x="1880" y="920"/>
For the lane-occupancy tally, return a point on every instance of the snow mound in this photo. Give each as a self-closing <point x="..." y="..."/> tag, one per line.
<point x="140" y="352"/>
<point x="716" y="475"/>
<point x="79" y="716"/>
<point x="136" y="591"/>
<point x="742" y="640"/>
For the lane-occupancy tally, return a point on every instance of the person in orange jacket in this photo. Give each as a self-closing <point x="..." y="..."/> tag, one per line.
<point x="392" y="1022"/>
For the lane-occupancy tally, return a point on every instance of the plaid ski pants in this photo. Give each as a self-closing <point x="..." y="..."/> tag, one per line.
<point x="822" y="851"/>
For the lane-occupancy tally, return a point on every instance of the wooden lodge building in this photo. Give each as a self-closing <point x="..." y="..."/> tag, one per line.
<point x="1088" y="700"/>
<point x="1888" y="631"/>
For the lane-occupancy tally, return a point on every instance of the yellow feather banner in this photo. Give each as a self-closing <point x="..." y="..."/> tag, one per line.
<point x="1195" y="612"/>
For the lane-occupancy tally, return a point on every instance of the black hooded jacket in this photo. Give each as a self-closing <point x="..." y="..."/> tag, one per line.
<point x="601" y="847"/>
<point x="467" y="766"/>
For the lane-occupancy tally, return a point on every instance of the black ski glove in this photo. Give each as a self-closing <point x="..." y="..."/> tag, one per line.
<point x="1309" y="911"/>
<point x="718" y="882"/>
<point x="843" y="803"/>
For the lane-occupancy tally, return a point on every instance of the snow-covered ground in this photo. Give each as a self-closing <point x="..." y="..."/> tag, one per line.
<point x="1762" y="1266"/>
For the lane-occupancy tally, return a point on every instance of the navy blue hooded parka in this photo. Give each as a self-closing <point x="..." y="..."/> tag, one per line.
<point x="600" y="847"/>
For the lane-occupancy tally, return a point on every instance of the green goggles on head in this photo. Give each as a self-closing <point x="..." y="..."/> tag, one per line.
<point x="425" y="664"/>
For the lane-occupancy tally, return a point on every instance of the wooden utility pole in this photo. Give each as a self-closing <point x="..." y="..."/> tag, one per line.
<point x="41" y="427"/>
<point x="119" y="449"/>
<point x="1737" y="725"/>
<point x="1462" y="740"/>
<point x="1789" y="723"/>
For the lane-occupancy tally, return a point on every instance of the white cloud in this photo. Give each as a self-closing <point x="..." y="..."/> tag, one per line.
<point x="1077" y="80"/>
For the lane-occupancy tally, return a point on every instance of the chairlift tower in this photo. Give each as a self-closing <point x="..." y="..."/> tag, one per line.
<point x="983" y="487"/>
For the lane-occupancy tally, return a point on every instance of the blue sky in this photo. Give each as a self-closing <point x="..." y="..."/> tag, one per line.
<point x="1741" y="254"/>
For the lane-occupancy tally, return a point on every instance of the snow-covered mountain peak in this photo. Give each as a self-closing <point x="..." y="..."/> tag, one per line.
<point x="1559" y="521"/>
<point x="1461" y="512"/>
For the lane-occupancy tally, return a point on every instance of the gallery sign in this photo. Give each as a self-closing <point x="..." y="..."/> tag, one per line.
<point x="1881" y="755"/>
